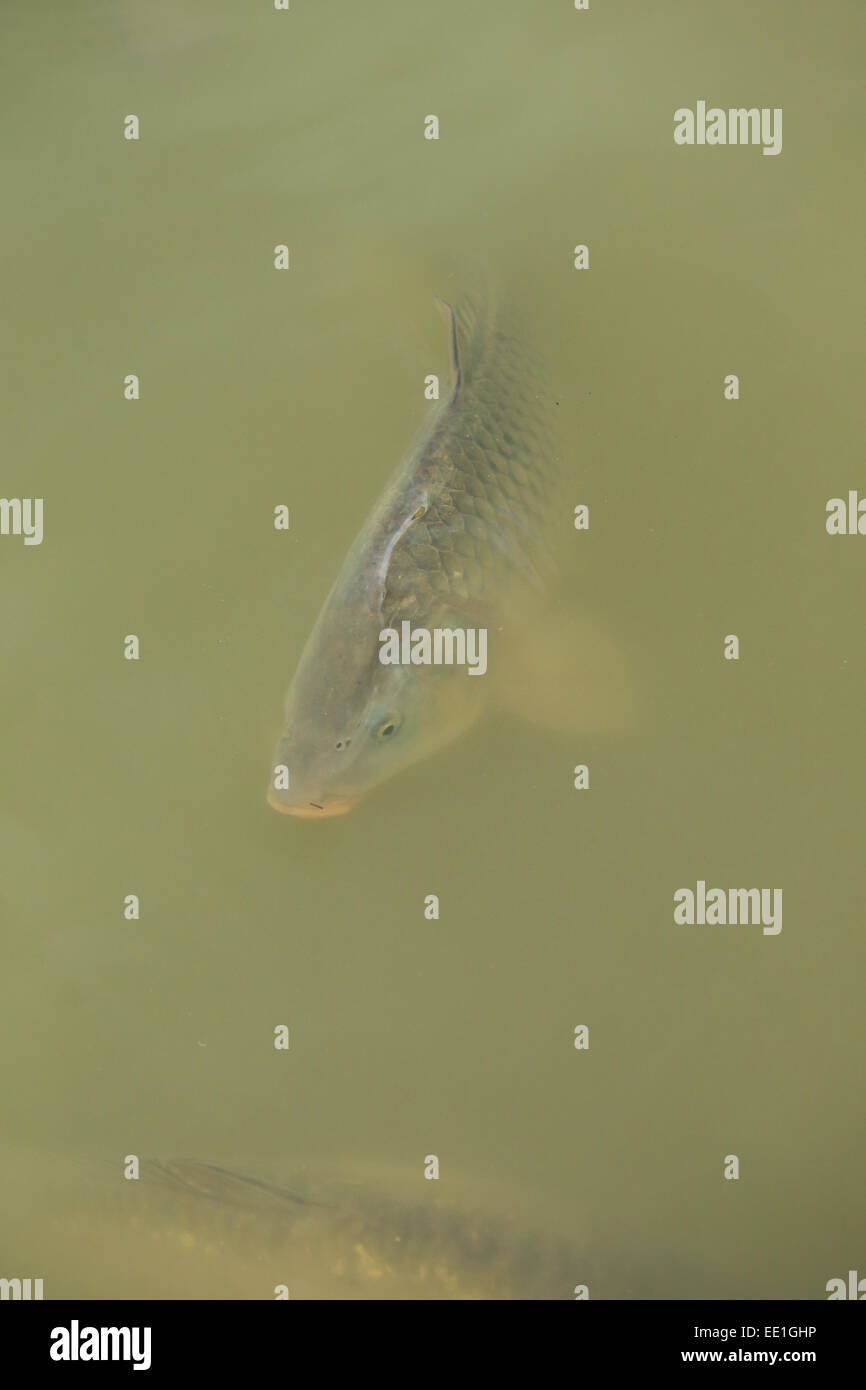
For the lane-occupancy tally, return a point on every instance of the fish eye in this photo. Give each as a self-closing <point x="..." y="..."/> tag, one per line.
<point x="388" y="727"/>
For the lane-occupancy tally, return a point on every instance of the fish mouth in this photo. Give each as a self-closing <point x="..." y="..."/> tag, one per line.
<point x="313" y="810"/>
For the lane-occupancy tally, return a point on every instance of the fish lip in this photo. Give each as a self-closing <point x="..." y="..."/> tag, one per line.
<point x="313" y="810"/>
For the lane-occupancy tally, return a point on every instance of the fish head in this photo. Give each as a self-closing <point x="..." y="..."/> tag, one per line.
<point x="351" y="722"/>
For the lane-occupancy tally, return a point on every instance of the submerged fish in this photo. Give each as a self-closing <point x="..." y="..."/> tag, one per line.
<point x="456" y="542"/>
<point x="189" y="1229"/>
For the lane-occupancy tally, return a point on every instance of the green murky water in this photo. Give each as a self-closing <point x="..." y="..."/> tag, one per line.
<point x="453" y="1037"/>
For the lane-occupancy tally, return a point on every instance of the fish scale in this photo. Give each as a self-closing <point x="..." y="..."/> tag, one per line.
<point x="486" y="466"/>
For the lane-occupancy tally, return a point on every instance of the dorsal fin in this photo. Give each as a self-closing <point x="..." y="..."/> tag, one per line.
<point x="467" y="327"/>
<point x="448" y="313"/>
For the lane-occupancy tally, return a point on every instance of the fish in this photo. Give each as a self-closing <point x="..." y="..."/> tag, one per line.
<point x="198" y="1229"/>
<point x="458" y="540"/>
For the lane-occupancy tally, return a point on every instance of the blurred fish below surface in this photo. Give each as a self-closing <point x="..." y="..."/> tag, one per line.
<point x="186" y="1229"/>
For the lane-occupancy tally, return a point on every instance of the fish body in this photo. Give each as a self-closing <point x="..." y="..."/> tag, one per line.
<point x="457" y="536"/>
<point x="187" y="1229"/>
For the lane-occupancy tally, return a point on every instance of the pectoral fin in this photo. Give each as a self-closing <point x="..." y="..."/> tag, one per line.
<point x="559" y="670"/>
